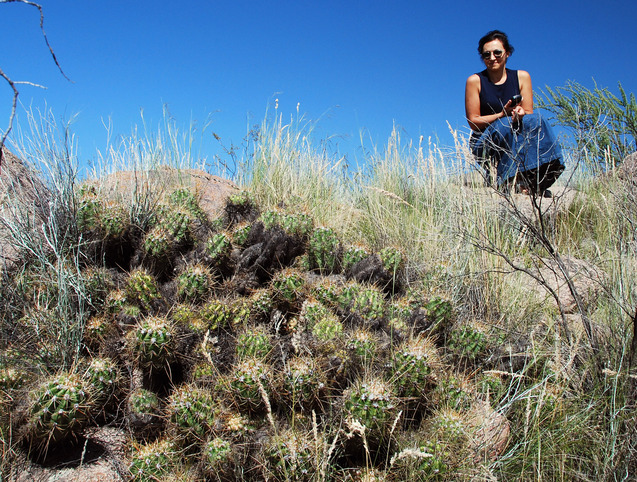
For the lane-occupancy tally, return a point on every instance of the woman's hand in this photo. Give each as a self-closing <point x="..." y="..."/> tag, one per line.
<point x="516" y="112"/>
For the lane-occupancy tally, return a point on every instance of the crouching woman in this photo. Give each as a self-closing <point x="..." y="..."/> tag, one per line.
<point x="516" y="147"/>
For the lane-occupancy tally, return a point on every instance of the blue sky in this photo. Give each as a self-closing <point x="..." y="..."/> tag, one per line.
<point x="351" y="66"/>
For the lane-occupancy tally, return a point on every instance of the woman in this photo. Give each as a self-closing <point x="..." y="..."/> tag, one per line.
<point x="505" y="132"/>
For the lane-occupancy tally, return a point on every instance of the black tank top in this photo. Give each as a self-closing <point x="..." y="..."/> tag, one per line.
<point x="492" y="96"/>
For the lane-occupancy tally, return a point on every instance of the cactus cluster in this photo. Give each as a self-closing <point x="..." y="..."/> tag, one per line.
<point x="271" y="374"/>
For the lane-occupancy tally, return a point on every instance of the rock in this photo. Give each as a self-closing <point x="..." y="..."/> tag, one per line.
<point x="23" y="203"/>
<point x="586" y="277"/>
<point x="491" y="433"/>
<point x="627" y="170"/>
<point x="101" y="459"/>
<point x="212" y="190"/>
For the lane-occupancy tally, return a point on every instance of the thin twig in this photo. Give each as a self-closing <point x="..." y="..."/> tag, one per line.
<point x="13" y="83"/>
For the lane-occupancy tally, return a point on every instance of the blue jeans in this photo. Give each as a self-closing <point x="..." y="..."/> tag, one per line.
<point x="528" y="151"/>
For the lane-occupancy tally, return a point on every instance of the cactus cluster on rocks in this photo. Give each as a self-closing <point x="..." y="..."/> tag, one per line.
<point x="229" y="358"/>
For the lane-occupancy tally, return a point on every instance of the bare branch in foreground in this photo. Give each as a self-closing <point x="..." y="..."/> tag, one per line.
<point x="13" y="83"/>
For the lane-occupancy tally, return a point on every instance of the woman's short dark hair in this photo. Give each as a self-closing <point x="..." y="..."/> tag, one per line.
<point x="496" y="35"/>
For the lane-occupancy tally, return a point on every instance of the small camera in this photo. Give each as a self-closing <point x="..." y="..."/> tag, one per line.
<point x="515" y="100"/>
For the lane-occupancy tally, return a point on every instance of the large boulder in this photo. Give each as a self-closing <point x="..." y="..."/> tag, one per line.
<point x="24" y="199"/>
<point x="212" y="190"/>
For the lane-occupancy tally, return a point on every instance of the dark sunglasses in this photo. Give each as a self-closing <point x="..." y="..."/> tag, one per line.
<point x="496" y="53"/>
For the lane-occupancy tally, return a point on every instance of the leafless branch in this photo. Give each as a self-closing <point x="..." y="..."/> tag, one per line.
<point x="13" y="83"/>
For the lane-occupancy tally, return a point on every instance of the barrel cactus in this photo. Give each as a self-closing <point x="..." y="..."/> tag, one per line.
<point x="191" y="411"/>
<point x="261" y="304"/>
<point x="239" y="206"/>
<point x="324" y="250"/>
<point x="103" y="376"/>
<point x="312" y="312"/>
<point x="12" y="377"/>
<point x="60" y="408"/>
<point x="328" y="330"/>
<point x="468" y="341"/>
<point x="216" y="314"/>
<point x="288" y="286"/>
<point x="159" y="242"/>
<point x="241" y="234"/>
<point x="364" y="345"/>
<point x="455" y="391"/>
<point x="372" y="404"/>
<point x="251" y="382"/>
<point x="219" y="248"/>
<point x="304" y="382"/>
<point x="153" y="461"/>
<point x="290" y="455"/>
<point x="368" y="306"/>
<point x="88" y="209"/>
<point x="187" y="200"/>
<point x="153" y="341"/>
<point x="254" y="343"/>
<point x="297" y="224"/>
<point x="115" y="221"/>
<point x="271" y="218"/>
<point x="439" y="312"/>
<point x="143" y="403"/>
<point x="141" y="289"/>
<point x="413" y="364"/>
<point x="427" y="460"/>
<point x="98" y="329"/>
<point x="354" y="253"/>
<point x="218" y="458"/>
<point x="194" y="283"/>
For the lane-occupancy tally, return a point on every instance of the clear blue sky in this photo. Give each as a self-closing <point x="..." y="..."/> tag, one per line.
<point x="351" y="65"/>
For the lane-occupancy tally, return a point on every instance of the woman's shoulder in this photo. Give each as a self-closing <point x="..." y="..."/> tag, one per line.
<point x="523" y="74"/>
<point x="474" y="79"/>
